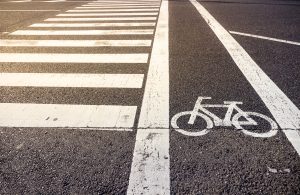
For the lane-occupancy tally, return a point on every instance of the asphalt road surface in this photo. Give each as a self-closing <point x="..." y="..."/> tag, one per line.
<point x="149" y="97"/>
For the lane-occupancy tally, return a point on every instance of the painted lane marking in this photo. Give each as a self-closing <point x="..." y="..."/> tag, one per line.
<point x="71" y="80"/>
<point x="84" y="32"/>
<point x="118" y="7"/>
<point x="29" y="10"/>
<point x="74" y="43"/>
<point x="281" y="107"/>
<point x="150" y="169"/>
<point x="114" y="10"/>
<point x="266" y="38"/>
<point x="73" y="58"/>
<point x="122" y="2"/>
<point x="101" y="19"/>
<point x="63" y="25"/>
<point x="111" y="117"/>
<point x="55" y="1"/>
<point x="21" y="1"/>
<point x="108" y="14"/>
<point x="29" y="1"/>
<point x="232" y="116"/>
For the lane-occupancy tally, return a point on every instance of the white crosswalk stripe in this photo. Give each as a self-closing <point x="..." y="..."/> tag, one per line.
<point x="83" y="32"/>
<point x="136" y="18"/>
<point x="118" y="7"/>
<point x="101" y="19"/>
<point x="72" y="80"/>
<point x="73" y="58"/>
<point x="107" y="14"/>
<point x="76" y="25"/>
<point x="100" y="117"/>
<point x="74" y="43"/>
<point x="133" y="11"/>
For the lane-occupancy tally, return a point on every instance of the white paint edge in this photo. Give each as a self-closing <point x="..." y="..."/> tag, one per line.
<point x="76" y="25"/>
<point x="24" y="1"/>
<point x="102" y="19"/>
<point x="74" y="43"/>
<point x="150" y="169"/>
<point x="282" y="108"/>
<point x="84" y="32"/>
<point x="265" y="38"/>
<point x="67" y="116"/>
<point x="117" y="7"/>
<point x="15" y="10"/>
<point x="71" y="80"/>
<point x="73" y="58"/>
<point x="115" y="10"/>
<point x="107" y="14"/>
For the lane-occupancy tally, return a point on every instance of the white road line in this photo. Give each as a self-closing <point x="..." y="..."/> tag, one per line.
<point x="73" y="58"/>
<point x="16" y="10"/>
<point x="108" y="14"/>
<point x="84" y="32"/>
<point x="24" y="1"/>
<point x="124" y="2"/>
<point x="101" y="19"/>
<point x="71" y="80"/>
<point x="150" y="169"/>
<point x="64" y="116"/>
<point x="114" y="10"/>
<point x="21" y="1"/>
<point x="121" y="5"/>
<point x="115" y="24"/>
<point x="74" y="43"/>
<point x="118" y="7"/>
<point x="282" y="108"/>
<point x="266" y="38"/>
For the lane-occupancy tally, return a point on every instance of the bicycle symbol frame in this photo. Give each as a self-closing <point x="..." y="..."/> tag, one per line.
<point x="228" y="121"/>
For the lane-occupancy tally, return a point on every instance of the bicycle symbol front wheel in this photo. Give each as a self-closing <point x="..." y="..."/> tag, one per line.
<point x="273" y="125"/>
<point x="196" y="132"/>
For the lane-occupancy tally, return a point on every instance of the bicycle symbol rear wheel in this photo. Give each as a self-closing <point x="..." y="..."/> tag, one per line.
<point x="273" y="130"/>
<point x="195" y="132"/>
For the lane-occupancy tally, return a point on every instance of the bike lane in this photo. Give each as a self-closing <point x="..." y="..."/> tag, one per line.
<point x="272" y="19"/>
<point x="224" y="160"/>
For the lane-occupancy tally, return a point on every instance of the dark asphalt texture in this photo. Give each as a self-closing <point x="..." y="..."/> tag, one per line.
<point x="225" y="161"/>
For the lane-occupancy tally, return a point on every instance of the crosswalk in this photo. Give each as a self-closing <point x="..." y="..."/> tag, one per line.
<point x="74" y="1"/>
<point x="120" y="34"/>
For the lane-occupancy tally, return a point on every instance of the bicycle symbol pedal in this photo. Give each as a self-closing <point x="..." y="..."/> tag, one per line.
<point x="229" y="120"/>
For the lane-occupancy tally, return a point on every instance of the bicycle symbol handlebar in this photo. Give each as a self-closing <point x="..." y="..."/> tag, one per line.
<point x="212" y="120"/>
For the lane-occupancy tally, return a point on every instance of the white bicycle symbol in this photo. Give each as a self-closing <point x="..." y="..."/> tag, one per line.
<point x="226" y="122"/>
